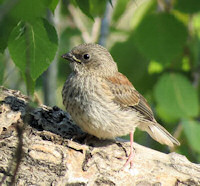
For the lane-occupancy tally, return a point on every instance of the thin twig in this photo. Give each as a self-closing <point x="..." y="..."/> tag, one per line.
<point x="79" y="24"/>
<point x="95" y="29"/>
<point x="105" y="23"/>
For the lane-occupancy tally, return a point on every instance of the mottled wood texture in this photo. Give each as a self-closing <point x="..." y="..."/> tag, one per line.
<point x="56" y="152"/>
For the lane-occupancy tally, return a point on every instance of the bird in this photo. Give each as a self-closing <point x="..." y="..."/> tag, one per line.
<point x="103" y="102"/>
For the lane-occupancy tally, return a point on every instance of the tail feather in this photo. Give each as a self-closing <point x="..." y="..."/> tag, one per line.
<point x="159" y="133"/>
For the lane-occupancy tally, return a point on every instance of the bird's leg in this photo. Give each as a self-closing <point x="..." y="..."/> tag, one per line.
<point x="131" y="155"/>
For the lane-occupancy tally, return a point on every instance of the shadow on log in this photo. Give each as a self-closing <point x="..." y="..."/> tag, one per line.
<point x="42" y="146"/>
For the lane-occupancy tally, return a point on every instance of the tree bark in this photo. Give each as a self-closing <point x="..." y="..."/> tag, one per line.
<point x="42" y="146"/>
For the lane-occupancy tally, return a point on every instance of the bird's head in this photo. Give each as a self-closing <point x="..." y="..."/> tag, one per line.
<point x="91" y="59"/>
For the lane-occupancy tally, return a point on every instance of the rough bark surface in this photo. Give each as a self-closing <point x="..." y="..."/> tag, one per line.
<point x="51" y="150"/>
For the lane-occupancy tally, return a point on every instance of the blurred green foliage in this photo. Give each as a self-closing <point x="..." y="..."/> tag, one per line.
<point x="89" y="7"/>
<point x="174" y="91"/>
<point x="156" y="44"/>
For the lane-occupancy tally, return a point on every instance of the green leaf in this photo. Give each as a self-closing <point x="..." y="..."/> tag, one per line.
<point x="33" y="46"/>
<point x="186" y="6"/>
<point x="84" y="5"/>
<point x="160" y="37"/>
<point x="192" y="131"/>
<point x="176" y="96"/>
<point x="97" y="7"/>
<point x="53" y="5"/>
<point x="120" y="8"/>
<point x="27" y="10"/>
<point x="92" y="8"/>
<point x="8" y="23"/>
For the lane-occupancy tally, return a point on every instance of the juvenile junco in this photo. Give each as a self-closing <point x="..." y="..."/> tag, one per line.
<point x="103" y="102"/>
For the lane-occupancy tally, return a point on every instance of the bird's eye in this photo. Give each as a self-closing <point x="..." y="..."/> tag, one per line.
<point x="86" y="56"/>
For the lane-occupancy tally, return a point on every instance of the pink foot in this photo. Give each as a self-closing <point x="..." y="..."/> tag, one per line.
<point x="129" y="160"/>
<point x="131" y="155"/>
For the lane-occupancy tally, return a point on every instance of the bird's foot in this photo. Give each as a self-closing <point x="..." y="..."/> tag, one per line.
<point x="129" y="161"/>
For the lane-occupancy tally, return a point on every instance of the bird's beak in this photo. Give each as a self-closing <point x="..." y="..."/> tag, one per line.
<point x="70" y="57"/>
<point x="67" y="56"/>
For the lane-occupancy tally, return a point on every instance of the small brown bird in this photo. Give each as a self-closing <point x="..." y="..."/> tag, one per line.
<point x="103" y="102"/>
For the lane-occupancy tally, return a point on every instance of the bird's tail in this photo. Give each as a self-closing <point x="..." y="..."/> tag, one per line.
<point x="159" y="133"/>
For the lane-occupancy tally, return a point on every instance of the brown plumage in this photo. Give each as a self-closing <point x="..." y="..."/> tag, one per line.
<point x="103" y="102"/>
<point x="127" y="96"/>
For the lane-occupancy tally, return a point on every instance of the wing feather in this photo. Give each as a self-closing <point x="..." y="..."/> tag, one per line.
<point x="126" y="95"/>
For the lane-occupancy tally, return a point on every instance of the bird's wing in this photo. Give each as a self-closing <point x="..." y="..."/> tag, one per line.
<point x="124" y="93"/>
